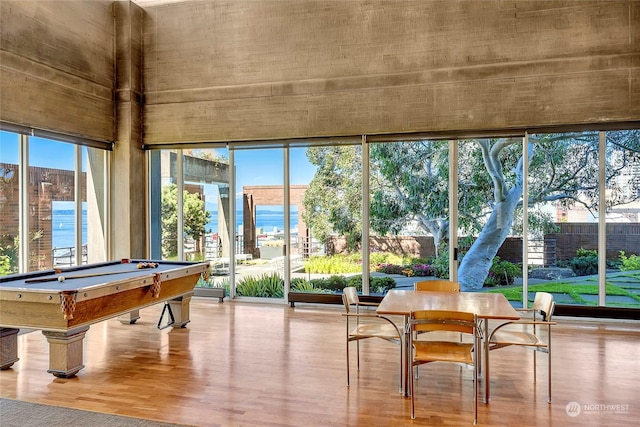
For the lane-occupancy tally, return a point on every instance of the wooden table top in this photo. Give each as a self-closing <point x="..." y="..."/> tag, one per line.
<point x="485" y="305"/>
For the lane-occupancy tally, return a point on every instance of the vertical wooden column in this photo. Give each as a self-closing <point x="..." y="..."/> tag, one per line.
<point x="128" y="174"/>
<point x="65" y="351"/>
<point x="8" y="347"/>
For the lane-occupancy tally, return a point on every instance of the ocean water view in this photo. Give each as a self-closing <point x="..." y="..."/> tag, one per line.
<point x="266" y="220"/>
<point x="63" y="226"/>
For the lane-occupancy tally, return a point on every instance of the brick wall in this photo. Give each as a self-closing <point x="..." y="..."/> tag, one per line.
<point x="559" y="246"/>
<point x="573" y="236"/>
<point x="46" y="185"/>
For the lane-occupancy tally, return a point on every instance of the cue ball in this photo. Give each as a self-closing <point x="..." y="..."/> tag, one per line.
<point x="61" y="279"/>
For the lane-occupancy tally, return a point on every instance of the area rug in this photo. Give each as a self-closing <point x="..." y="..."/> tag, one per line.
<point x="15" y="413"/>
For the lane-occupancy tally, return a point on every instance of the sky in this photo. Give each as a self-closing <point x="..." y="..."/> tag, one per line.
<point x="253" y="167"/>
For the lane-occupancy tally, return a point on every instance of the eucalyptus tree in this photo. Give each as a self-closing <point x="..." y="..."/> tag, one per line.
<point x="409" y="188"/>
<point x="564" y="171"/>
<point x="333" y="200"/>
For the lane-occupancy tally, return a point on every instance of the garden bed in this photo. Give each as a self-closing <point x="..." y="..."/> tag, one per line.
<point x="319" y="298"/>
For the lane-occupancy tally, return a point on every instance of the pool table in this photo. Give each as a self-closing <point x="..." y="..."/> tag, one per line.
<point x="64" y="308"/>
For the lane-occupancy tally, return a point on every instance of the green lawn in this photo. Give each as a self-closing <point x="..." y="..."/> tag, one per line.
<point x="625" y="284"/>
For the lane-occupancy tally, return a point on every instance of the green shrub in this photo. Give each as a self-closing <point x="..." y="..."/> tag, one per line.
<point x="273" y="285"/>
<point x="389" y="268"/>
<point x="5" y="265"/>
<point x="583" y="253"/>
<point x="334" y="283"/>
<point x="385" y="258"/>
<point x="440" y="265"/>
<point x="632" y="262"/>
<point x="584" y="266"/>
<point x="381" y="284"/>
<point x="334" y="264"/>
<point x="265" y="286"/>
<point x="301" y="285"/>
<point x="585" y="262"/>
<point x="249" y="287"/>
<point x="376" y="284"/>
<point x="355" y="281"/>
<point x="501" y="273"/>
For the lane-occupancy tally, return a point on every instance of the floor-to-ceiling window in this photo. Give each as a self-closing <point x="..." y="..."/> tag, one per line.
<point x="564" y="176"/>
<point x="409" y="212"/>
<point x="261" y="247"/>
<point x="332" y="216"/>
<point x="53" y="203"/>
<point x="305" y="245"/>
<point x="527" y="215"/>
<point x="95" y="218"/>
<point x="622" y="225"/>
<point x="190" y="216"/>
<point x="490" y="181"/>
<point x="582" y="187"/>
<point x="9" y="203"/>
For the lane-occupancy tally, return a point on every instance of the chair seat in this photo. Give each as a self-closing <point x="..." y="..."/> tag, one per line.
<point x="443" y="351"/>
<point x="436" y="336"/>
<point x="370" y="330"/>
<point x="507" y="337"/>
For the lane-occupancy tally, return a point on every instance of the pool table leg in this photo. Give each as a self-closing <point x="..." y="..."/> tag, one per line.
<point x="180" y="309"/>
<point x="129" y="318"/>
<point x="65" y="351"/>
<point x="8" y="347"/>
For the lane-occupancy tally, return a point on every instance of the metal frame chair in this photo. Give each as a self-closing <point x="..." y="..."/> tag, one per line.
<point x="445" y="351"/>
<point x="374" y="326"/>
<point x="527" y="334"/>
<point x="437" y="285"/>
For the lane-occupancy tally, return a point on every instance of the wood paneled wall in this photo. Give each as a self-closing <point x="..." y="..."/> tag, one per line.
<point x="236" y="70"/>
<point x="57" y="66"/>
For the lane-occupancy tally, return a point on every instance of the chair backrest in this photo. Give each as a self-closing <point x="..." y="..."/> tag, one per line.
<point x="437" y="286"/>
<point x="350" y="297"/>
<point x="544" y="304"/>
<point x="443" y="320"/>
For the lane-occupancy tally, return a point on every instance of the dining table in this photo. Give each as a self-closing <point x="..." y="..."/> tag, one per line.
<point x="487" y="306"/>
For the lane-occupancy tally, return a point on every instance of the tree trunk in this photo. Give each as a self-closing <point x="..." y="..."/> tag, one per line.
<point x="476" y="263"/>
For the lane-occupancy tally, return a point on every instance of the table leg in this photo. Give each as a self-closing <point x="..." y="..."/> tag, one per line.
<point x="408" y="352"/>
<point x="485" y="336"/>
<point x="180" y="309"/>
<point x="8" y="347"/>
<point x="484" y="326"/>
<point x="65" y="351"/>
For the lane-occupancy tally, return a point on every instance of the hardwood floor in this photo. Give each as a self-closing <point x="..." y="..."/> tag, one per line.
<point x="248" y="364"/>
